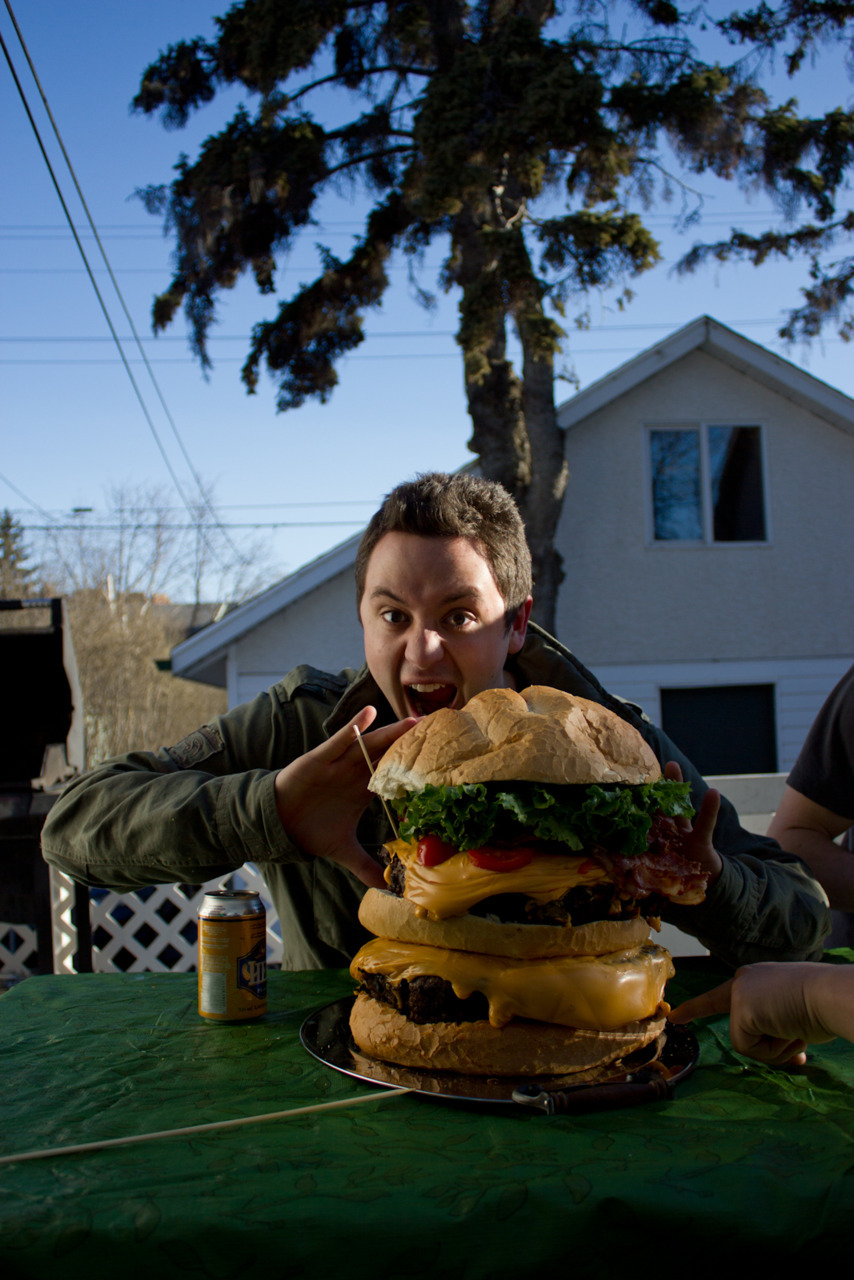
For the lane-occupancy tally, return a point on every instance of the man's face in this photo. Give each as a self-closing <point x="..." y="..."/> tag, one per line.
<point x="434" y="623"/>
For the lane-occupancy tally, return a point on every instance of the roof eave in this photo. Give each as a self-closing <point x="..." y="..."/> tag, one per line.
<point x="740" y="353"/>
<point x="209" y="647"/>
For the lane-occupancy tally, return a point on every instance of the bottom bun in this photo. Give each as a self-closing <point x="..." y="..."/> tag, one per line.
<point x="522" y="1048"/>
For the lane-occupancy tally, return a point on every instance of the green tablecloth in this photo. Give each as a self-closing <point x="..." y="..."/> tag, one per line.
<point x="744" y="1166"/>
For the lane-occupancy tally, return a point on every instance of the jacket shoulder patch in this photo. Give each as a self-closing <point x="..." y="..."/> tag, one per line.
<point x="196" y="747"/>
<point x="318" y="684"/>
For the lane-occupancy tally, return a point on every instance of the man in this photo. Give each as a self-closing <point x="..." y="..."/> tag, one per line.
<point x="443" y="578"/>
<point x="817" y="805"/>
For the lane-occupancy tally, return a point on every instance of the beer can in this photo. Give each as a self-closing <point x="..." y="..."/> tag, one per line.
<point x="232" y="955"/>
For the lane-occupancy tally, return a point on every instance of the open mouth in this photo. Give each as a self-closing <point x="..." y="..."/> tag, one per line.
<point x="428" y="697"/>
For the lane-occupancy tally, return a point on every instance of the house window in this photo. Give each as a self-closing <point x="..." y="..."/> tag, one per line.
<point x="707" y="484"/>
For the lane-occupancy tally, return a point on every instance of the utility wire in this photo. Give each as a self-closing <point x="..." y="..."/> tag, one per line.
<point x="98" y="294"/>
<point x="183" y="528"/>
<point x="201" y="490"/>
<point x="144" y="230"/>
<point x="235" y="506"/>
<point x="374" y="334"/>
<point x="45" y="515"/>
<point x="244" y="337"/>
<point x="223" y="360"/>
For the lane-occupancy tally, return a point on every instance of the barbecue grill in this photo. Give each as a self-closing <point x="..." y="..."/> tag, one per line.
<point x="41" y="748"/>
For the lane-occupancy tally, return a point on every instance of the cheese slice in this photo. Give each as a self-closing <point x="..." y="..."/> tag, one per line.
<point x="453" y="887"/>
<point x="593" y="993"/>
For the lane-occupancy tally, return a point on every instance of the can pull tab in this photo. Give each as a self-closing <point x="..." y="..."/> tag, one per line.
<point x="647" y="1085"/>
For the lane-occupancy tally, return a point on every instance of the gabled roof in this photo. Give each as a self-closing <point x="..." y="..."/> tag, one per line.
<point x="705" y="334"/>
<point x="203" y="656"/>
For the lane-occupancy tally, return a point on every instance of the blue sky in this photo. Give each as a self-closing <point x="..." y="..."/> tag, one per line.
<point x="72" y="427"/>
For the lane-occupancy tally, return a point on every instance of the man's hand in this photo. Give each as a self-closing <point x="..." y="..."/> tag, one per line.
<point x="776" y="1010"/>
<point x="697" y="837"/>
<point x="321" y="795"/>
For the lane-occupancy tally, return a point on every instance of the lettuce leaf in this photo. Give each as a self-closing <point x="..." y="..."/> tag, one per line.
<point x="477" y="814"/>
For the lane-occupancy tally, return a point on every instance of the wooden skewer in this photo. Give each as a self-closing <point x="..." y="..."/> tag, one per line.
<point x="203" y="1128"/>
<point x="361" y="742"/>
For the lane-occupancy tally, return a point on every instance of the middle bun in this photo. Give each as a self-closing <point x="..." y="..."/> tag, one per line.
<point x="392" y="917"/>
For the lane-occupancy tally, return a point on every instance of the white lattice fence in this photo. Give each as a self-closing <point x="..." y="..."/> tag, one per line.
<point x="64" y="932"/>
<point x="18" y="947"/>
<point x="151" y="929"/>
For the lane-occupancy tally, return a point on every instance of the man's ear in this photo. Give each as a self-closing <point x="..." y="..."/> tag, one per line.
<point x="519" y="626"/>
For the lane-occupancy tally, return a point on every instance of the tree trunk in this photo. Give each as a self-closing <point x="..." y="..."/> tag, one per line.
<point x="515" y="432"/>
<point x="542" y="501"/>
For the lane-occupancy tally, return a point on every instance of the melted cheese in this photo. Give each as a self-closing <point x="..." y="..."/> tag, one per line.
<point x="453" y="887"/>
<point x="593" y="993"/>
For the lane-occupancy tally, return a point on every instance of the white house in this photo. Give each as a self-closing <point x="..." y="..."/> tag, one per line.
<point x="707" y="538"/>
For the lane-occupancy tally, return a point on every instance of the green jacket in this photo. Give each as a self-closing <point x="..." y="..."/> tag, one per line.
<point x="201" y="809"/>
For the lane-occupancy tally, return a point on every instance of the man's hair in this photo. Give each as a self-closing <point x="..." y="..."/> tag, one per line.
<point x="457" y="506"/>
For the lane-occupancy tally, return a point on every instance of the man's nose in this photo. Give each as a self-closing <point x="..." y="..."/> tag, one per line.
<point x="424" y="647"/>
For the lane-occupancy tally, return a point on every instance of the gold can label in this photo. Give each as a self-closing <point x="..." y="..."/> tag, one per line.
<point x="232" y="964"/>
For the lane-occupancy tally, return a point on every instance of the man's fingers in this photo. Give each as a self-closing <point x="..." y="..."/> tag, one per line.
<point x="341" y="742"/>
<point x="707" y="815"/>
<point x="715" y="1001"/>
<point x="355" y="859"/>
<point x="379" y="741"/>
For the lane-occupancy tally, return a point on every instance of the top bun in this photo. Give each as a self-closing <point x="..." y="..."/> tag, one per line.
<point x="538" y="735"/>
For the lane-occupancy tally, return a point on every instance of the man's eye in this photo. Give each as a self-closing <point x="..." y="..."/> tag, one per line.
<point x="393" y="617"/>
<point x="460" y="618"/>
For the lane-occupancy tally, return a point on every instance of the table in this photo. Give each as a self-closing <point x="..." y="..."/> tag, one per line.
<point x="745" y="1165"/>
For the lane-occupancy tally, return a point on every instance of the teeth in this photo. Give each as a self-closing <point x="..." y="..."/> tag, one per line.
<point x="426" y="688"/>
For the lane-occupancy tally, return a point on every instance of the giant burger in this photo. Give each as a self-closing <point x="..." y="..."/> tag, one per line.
<point x="537" y="843"/>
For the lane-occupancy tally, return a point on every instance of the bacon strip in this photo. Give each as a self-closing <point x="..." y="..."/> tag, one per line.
<point x="662" y="869"/>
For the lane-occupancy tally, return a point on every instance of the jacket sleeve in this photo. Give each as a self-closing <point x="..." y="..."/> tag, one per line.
<point x="765" y="905"/>
<point x="188" y="813"/>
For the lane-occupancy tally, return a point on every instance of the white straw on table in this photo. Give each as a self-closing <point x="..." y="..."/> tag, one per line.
<point x="361" y="743"/>
<point x="205" y="1128"/>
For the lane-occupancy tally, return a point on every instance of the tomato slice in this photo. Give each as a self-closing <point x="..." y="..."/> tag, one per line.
<point x="432" y="851"/>
<point x="493" y="859"/>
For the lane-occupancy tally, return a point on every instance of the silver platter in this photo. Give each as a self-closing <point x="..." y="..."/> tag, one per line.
<point x="326" y="1036"/>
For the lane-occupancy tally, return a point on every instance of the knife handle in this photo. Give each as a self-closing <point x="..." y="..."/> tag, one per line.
<point x="611" y="1097"/>
<point x="643" y="1086"/>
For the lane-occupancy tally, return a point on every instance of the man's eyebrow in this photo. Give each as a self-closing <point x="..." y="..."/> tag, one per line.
<point x="387" y="592"/>
<point x="464" y="593"/>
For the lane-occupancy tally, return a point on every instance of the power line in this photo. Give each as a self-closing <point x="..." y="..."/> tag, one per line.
<point x="375" y="335"/>
<point x="572" y="351"/>
<point x="32" y="505"/>
<point x="237" y="337"/>
<point x="230" y="506"/>
<point x="67" y="213"/>
<point x="221" y="360"/>
<point x="76" y="271"/>
<point x="161" y="527"/>
<point x="204" y="499"/>
<point x="126" y="226"/>
<point x="146" y="231"/>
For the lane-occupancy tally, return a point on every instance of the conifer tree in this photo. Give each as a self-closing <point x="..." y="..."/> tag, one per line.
<point x="528" y="137"/>
<point x="16" y="578"/>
